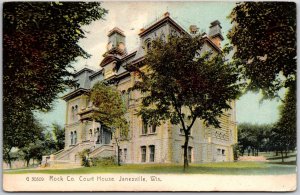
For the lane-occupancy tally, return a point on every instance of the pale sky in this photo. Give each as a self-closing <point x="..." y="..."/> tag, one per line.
<point x="132" y="16"/>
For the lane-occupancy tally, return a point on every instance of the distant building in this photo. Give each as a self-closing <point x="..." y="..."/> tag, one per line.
<point x="146" y="143"/>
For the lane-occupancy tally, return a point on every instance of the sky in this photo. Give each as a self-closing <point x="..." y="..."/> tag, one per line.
<point x="131" y="17"/>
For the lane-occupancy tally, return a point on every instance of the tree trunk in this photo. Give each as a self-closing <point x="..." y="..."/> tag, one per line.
<point x="27" y="162"/>
<point x="282" y="155"/>
<point x="286" y="153"/>
<point x="185" y="150"/>
<point x="276" y="153"/>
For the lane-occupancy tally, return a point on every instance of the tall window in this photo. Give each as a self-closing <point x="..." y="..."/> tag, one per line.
<point x="125" y="154"/>
<point x="190" y="154"/>
<point x="144" y="128"/>
<point x="152" y="153"/>
<point x="75" y="137"/>
<point x="153" y="129"/>
<point x="128" y="98"/>
<point x="98" y="136"/>
<point x="143" y="152"/>
<point x="91" y="134"/>
<point x="120" y="155"/>
<point x="71" y="136"/>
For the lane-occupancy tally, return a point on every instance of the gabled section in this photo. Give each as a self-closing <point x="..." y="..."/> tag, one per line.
<point x="166" y="19"/>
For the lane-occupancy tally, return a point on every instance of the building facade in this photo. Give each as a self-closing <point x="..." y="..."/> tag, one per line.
<point x="145" y="143"/>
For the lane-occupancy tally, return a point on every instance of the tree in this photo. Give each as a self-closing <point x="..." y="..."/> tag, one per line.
<point x="40" y="42"/>
<point x="181" y="84"/>
<point x="253" y="137"/>
<point x="59" y="136"/>
<point x="284" y="137"/>
<point x="110" y="111"/>
<point x="264" y="36"/>
<point x="24" y="132"/>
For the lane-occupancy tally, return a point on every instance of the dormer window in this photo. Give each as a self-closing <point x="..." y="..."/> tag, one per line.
<point x="148" y="44"/>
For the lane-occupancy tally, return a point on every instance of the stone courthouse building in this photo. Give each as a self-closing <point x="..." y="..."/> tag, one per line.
<point x="146" y="143"/>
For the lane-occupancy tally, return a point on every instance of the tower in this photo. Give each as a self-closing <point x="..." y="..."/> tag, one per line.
<point x="116" y="42"/>
<point x="215" y="33"/>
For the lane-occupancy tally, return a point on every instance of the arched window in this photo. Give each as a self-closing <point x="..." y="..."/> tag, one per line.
<point x="91" y="133"/>
<point x="147" y="44"/>
<point x="72" y="112"/>
<point x="75" y="137"/>
<point x="71" y="136"/>
<point x="98" y="135"/>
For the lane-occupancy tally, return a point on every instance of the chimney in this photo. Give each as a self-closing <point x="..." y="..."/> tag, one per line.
<point x="166" y="14"/>
<point x="193" y="29"/>
<point x="215" y="33"/>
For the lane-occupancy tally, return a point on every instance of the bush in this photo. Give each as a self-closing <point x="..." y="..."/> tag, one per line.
<point x="84" y="155"/>
<point x="103" y="161"/>
<point x="235" y="152"/>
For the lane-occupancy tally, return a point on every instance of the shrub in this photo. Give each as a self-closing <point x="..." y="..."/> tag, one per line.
<point x="103" y="161"/>
<point x="84" y="155"/>
<point x="235" y="152"/>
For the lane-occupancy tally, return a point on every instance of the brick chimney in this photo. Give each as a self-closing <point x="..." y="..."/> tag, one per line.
<point x="193" y="29"/>
<point x="215" y="33"/>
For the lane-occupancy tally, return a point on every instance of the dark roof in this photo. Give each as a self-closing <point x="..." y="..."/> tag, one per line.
<point x="75" y="93"/>
<point x="96" y="73"/>
<point x="83" y="70"/>
<point x="116" y="30"/>
<point x="165" y="19"/>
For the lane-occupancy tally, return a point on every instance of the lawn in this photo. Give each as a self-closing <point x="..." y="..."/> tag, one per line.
<point x="222" y="168"/>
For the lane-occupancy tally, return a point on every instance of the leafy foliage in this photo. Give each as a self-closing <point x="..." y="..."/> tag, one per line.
<point x="59" y="136"/>
<point x="284" y="134"/>
<point x="254" y="137"/>
<point x="110" y="108"/>
<point x="40" y="41"/>
<point x="181" y="84"/>
<point x="264" y="36"/>
<point x="25" y="131"/>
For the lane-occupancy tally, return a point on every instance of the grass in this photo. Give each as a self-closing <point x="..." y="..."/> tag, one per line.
<point x="222" y="168"/>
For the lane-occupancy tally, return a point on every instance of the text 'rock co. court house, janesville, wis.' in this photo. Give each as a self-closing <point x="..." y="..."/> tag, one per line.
<point x="146" y="143"/>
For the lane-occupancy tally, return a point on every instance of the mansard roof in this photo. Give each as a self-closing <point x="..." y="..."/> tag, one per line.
<point x="83" y="70"/>
<point x="75" y="93"/>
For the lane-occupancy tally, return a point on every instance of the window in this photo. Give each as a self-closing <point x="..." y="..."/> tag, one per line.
<point x="223" y="152"/>
<point x="144" y="128"/>
<point x="148" y="44"/>
<point x="120" y="155"/>
<point x="128" y="98"/>
<point x="98" y="136"/>
<point x="75" y="137"/>
<point x="153" y="129"/>
<point x="152" y="153"/>
<point x="72" y="112"/>
<point x="190" y="154"/>
<point x="219" y="151"/>
<point x="91" y="134"/>
<point x="71" y="136"/>
<point x="125" y="154"/>
<point x="143" y="152"/>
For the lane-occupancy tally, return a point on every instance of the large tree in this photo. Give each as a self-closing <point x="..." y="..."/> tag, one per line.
<point x="264" y="36"/>
<point x="58" y="136"/>
<point x="40" y="42"/>
<point x="284" y="135"/>
<point x="110" y="111"/>
<point x="253" y="137"/>
<point x="182" y="84"/>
